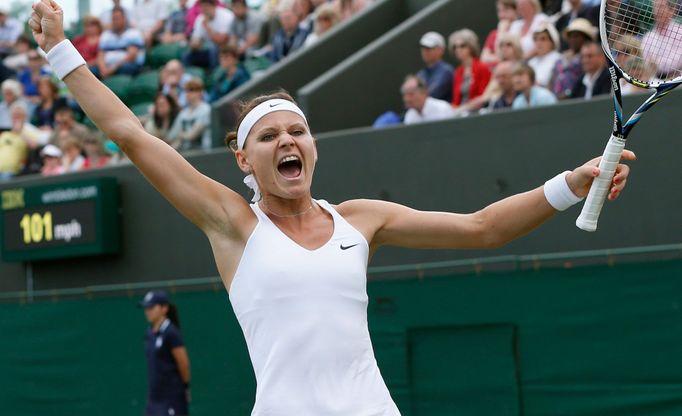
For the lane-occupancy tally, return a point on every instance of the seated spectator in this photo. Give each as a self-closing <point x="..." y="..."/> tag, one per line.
<point x="546" y="53"/>
<point x="163" y="114"/>
<point x="595" y="79"/>
<point x="175" y="27"/>
<point x="43" y="115"/>
<point x="509" y="48"/>
<point x="173" y="79"/>
<point x="289" y="38"/>
<point x="95" y="155"/>
<point x="66" y="126"/>
<point x="191" y="129"/>
<point x="232" y="73"/>
<point x="529" y="94"/>
<point x="304" y="9"/>
<point x="148" y="17"/>
<point x="349" y="8"/>
<point x="209" y="35"/>
<point x="73" y="159"/>
<point x="471" y="76"/>
<point x="630" y="46"/>
<point x="579" y="10"/>
<point x="245" y="28"/>
<point x="506" y="14"/>
<point x="13" y="151"/>
<point x="87" y="44"/>
<point x="106" y="17"/>
<point x="194" y="12"/>
<point x="18" y="61"/>
<point x="326" y="17"/>
<point x="121" y="49"/>
<point x="569" y="68"/>
<point x="503" y="75"/>
<point x="29" y="77"/>
<point x="666" y="31"/>
<point x="10" y="30"/>
<point x="438" y="74"/>
<point x="12" y="92"/>
<point x="52" y="161"/>
<point x="420" y="107"/>
<point x="30" y="134"/>
<point x="531" y="15"/>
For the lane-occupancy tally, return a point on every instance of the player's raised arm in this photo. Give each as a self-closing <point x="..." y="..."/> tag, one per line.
<point x="199" y="198"/>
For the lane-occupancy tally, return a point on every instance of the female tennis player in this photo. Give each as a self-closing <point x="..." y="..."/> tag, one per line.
<point x="295" y="267"/>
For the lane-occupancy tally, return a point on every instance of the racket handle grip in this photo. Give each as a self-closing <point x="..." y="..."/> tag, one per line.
<point x="600" y="186"/>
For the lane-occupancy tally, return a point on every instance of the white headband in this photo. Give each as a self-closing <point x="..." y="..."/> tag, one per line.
<point x="258" y="112"/>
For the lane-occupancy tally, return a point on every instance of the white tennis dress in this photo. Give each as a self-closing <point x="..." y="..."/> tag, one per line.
<point x="304" y="317"/>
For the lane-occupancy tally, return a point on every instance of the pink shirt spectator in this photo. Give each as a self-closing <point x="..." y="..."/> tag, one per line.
<point x="669" y="58"/>
<point x="194" y="12"/>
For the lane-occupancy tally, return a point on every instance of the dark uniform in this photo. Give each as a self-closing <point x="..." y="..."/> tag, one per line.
<point x="166" y="388"/>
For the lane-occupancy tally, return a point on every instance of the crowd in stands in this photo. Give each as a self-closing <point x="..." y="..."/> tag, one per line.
<point x="536" y="55"/>
<point x="167" y="60"/>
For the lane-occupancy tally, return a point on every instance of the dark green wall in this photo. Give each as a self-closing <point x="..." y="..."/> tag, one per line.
<point x="458" y="165"/>
<point x="309" y="63"/>
<point x="587" y="341"/>
<point x="369" y="81"/>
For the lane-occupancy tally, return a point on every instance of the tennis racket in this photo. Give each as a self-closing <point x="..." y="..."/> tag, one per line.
<point x="642" y="40"/>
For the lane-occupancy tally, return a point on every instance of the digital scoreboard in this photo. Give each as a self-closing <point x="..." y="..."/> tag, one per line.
<point x="61" y="220"/>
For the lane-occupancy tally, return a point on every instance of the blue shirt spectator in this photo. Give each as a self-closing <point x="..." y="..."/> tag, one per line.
<point x="437" y="74"/>
<point x="121" y="48"/>
<point x="530" y="95"/>
<point x="232" y="75"/>
<point x="289" y="38"/>
<point x="10" y="30"/>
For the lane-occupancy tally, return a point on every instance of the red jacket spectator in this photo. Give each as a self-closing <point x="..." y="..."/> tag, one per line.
<point x="480" y="76"/>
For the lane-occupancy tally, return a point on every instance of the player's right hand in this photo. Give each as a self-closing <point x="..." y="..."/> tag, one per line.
<point x="47" y="24"/>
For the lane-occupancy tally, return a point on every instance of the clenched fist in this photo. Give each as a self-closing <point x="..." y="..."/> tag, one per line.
<point x="47" y="24"/>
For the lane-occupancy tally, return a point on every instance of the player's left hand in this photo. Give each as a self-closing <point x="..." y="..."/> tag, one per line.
<point x="581" y="178"/>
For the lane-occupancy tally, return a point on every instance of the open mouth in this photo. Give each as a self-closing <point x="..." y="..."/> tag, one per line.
<point x="290" y="167"/>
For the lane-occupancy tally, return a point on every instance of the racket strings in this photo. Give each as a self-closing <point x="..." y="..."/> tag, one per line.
<point x="645" y="38"/>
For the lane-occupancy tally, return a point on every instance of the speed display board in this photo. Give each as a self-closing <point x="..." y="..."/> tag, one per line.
<point x="62" y="220"/>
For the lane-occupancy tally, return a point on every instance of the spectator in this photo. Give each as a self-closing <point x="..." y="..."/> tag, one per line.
<point x="326" y="17"/>
<point x="245" y="28"/>
<point x="193" y="13"/>
<point x="579" y="10"/>
<point x="43" y="115"/>
<point x="209" y="35"/>
<point x="175" y="28"/>
<point x="30" y="134"/>
<point x="18" y="61"/>
<point x="666" y="31"/>
<point x="191" y="129"/>
<point x="420" y="107"/>
<point x="506" y="14"/>
<point x="531" y="15"/>
<point x="232" y="74"/>
<point x="173" y="79"/>
<point x="12" y="92"/>
<point x="88" y="43"/>
<point x="29" y="77"/>
<point x="164" y="112"/>
<point x="13" y="151"/>
<point x="595" y="79"/>
<point x="349" y="8"/>
<point x="289" y="38"/>
<point x="148" y="17"/>
<point x="438" y="74"/>
<point x="106" y="17"/>
<point x="529" y="94"/>
<point x="629" y="47"/>
<point x="568" y="69"/>
<point x="503" y="75"/>
<point x="65" y="126"/>
<point x="546" y="47"/>
<point x="471" y="76"/>
<point x="10" y="30"/>
<point x="509" y="48"/>
<point x="73" y="159"/>
<point x="306" y="17"/>
<point x="121" y="49"/>
<point x="52" y="161"/>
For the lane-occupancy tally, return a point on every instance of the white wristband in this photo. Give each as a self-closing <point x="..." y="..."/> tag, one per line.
<point x="64" y="58"/>
<point x="559" y="194"/>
